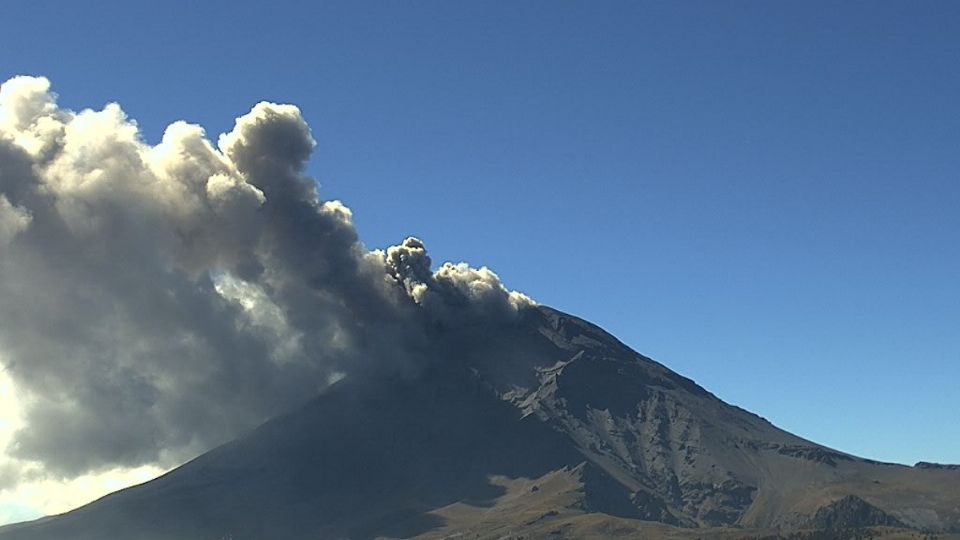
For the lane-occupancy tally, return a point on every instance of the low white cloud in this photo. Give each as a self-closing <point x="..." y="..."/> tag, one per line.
<point x="45" y="496"/>
<point x="28" y="493"/>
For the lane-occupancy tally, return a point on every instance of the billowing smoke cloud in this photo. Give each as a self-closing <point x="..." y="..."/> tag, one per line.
<point x="156" y="300"/>
<point x="455" y="292"/>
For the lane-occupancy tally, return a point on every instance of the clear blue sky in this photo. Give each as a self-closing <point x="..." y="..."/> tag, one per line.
<point x="764" y="196"/>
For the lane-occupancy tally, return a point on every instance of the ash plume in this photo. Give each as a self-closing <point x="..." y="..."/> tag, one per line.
<point x="157" y="300"/>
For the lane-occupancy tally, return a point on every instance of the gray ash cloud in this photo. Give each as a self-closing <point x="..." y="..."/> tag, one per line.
<point x="157" y="300"/>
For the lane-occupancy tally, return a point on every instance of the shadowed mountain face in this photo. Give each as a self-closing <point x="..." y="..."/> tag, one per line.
<point x="508" y="428"/>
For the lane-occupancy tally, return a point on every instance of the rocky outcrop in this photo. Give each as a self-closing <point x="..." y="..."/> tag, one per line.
<point x="814" y="453"/>
<point x="852" y="511"/>
<point x="937" y="466"/>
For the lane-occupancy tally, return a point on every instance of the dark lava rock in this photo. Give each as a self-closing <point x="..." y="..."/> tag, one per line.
<point x="852" y="511"/>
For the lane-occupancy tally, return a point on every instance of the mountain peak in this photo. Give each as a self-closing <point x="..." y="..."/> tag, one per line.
<point x="521" y="426"/>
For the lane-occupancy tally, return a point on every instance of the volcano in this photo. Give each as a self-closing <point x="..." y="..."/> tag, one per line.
<point x="544" y="426"/>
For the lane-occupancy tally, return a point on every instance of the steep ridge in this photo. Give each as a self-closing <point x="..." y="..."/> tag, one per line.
<point x="708" y="462"/>
<point x="509" y="428"/>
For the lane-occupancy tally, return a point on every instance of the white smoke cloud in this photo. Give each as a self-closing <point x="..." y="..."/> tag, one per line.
<point x="455" y="291"/>
<point x="156" y="300"/>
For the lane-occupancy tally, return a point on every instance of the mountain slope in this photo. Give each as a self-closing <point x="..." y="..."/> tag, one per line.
<point x="512" y="427"/>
